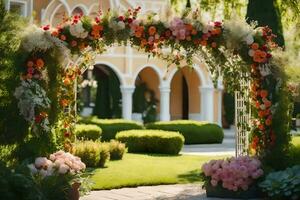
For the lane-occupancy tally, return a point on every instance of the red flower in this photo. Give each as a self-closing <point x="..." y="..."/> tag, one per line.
<point x="218" y="24"/>
<point x="46" y="28"/>
<point x="129" y="20"/>
<point x="67" y="134"/>
<point x="263" y="93"/>
<point x="121" y="18"/>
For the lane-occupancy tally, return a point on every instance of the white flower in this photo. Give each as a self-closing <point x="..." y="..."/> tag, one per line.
<point x="251" y="52"/>
<point x="43" y="173"/>
<point x="121" y="25"/>
<point x="78" y="31"/>
<point x="40" y="162"/>
<point x="32" y="168"/>
<point x="35" y="39"/>
<point x="249" y="39"/>
<point x="63" y="169"/>
<point x="264" y="70"/>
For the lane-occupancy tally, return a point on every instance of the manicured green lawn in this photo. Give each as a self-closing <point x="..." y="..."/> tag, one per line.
<point x="296" y="140"/>
<point x="141" y="169"/>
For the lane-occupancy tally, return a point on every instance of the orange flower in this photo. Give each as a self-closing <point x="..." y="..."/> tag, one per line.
<point x="30" y="64"/>
<point x="64" y="102"/>
<point x="67" y="81"/>
<point x="268" y="103"/>
<point x="143" y="42"/>
<point x="261" y="127"/>
<point x="254" y="46"/>
<point x="194" y="32"/>
<point x="261" y="114"/>
<point x="189" y="27"/>
<point x="203" y="42"/>
<point x="40" y="63"/>
<point x="188" y="38"/>
<point x="263" y="93"/>
<point x="268" y="122"/>
<point x="213" y="44"/>
<point x="216" y="31"/>
<point x="259" y="56"/>
<point x="97" y="27"/>
<point x="54" y="33"/>
<point x="63" y="37"/>
<point x="152" y="30"/>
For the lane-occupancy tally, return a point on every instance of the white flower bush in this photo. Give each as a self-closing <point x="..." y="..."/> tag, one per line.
<point x="34" y="39"/>
<point x="59" y="163"/>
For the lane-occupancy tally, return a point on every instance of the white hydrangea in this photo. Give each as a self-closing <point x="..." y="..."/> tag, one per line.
<point x="78" y="31"/>
<point x="35" y="39"/>
<point x="237" y="30"/>
<point x="116" y="26"/>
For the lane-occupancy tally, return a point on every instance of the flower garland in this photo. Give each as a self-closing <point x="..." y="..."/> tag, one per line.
<point x="185" y="36"/>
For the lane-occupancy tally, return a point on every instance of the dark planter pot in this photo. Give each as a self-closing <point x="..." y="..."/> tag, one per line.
<point x="219" y="192"/>
<point x="74" y="191"/>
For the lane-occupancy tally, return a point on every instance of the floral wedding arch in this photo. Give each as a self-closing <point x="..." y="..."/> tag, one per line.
<point x="55" y="57"/>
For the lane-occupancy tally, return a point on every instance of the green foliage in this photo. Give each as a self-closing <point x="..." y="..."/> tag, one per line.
<point x="294" y="155"/>
<point x="116" y="150"/>
<point x="104" y="155"/>
<point x="152" y="141"/>
<point x="283" y="184"/>
<point x="229" y="108"/>
<point x="93" y="154"/>
<point x="110" y="127"/>
<point x="18" y="184"/>
<point x="13" y="127"/>
<point x="88" y="132"/>
<point x="194" y="132"/>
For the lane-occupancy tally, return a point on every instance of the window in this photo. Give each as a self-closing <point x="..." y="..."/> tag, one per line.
<point x="18" y="6"/>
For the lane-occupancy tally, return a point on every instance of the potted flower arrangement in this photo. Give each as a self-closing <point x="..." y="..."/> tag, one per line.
<point x="232" y="177"/>
<point x="62" y="170"/>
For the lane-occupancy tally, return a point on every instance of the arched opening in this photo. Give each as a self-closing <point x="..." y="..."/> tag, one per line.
<point x="77" y="11"/>
<point x="58" y="16"/>
<point x="100" y="93"/>
<point x="185" y="98"/>
<point x="146" y="96"/>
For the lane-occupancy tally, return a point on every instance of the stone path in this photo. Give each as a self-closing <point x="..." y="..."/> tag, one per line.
<point x="161" y="192"/>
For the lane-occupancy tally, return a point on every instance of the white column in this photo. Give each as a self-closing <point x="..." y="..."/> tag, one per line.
<point x="127" y="92"/>
<point x="220" y="101"/>
<point x="164" y="103"/>
<point x="207" y="102"/>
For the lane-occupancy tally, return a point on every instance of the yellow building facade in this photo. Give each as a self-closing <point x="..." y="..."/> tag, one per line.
<point x="198" y="101"/>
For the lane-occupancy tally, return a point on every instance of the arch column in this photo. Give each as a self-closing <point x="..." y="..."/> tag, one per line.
<point x="220" y="101"/>
<point x="127" y="92"/>
<point x="207" y="102"/>
<point x="164" y="102"/>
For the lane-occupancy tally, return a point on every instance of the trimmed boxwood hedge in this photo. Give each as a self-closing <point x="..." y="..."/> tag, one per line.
<point x="110" y="127"/>
<point x="88" y="132"/>
<point x="194" y="132"/>
<point x="151" y="141"/>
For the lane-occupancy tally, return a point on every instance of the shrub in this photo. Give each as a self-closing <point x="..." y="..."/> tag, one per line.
<point x="110" y="127"/>
<point x="116" y="150"/>
<point x="283" y="184"/>
<point x="93" y="154"/>
<point x="152" y="141"/>
<point x="88" y="132"/>
<point x="194" y="132"/>
<point x="294" y="155"/>
<point x="104" y="155"/>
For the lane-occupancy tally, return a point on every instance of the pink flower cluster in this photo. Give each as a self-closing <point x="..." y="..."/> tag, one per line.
<point x="179" y="30"/>
<point x="233" y="173"/>
<point x="58" y="163"/>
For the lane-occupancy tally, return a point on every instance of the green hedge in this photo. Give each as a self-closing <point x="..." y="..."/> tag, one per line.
<point x="110" y="127"/>
<point x="88" y="132"/>
<point x="93" y="154"/>
<point x="194" y="132"/>
<point x="151" y="141"/>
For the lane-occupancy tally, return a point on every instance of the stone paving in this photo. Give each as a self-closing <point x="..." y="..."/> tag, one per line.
<point x="161" y="192"/>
